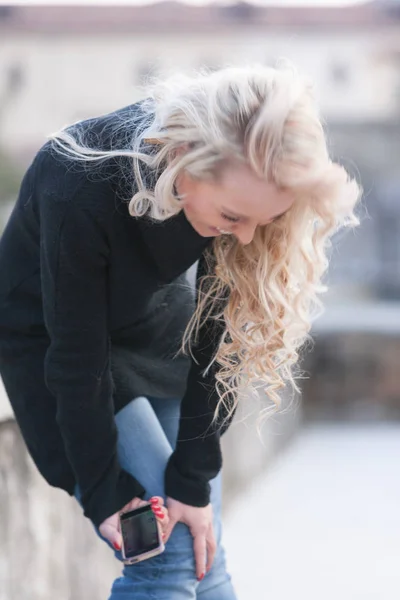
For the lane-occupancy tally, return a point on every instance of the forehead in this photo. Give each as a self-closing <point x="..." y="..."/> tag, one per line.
<point x="246" y="194"/>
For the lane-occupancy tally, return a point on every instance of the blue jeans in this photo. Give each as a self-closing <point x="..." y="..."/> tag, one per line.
<point x="147" y="433"/>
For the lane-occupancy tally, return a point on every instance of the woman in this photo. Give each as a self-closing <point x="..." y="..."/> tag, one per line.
<point x="231" y="169"/>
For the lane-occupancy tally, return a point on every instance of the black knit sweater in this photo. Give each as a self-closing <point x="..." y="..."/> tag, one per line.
<point x="93" y="304"/>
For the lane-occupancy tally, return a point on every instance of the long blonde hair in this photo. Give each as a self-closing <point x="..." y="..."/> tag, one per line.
<point x="268" y="119"/>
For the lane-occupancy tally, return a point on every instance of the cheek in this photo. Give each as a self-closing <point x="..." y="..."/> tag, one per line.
<point x="190" y="207"/>
<point x="200" y="208"/>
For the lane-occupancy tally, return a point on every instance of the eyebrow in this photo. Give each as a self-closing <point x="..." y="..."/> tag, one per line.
<point x="235" y="215"/>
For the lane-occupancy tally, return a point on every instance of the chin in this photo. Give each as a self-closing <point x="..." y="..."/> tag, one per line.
<point x="208" y="233"/>
<point x="204" y="230"/>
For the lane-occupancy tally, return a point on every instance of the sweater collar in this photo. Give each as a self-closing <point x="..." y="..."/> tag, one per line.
<point x="174" y="245"/>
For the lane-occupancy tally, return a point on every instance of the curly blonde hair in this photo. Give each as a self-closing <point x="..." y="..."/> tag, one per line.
<point x="268" y="119"/>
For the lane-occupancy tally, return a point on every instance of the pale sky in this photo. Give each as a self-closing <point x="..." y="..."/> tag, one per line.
<point x="135" y="2"/>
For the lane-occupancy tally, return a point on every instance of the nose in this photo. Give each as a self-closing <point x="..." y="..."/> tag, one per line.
<point x="245" y="233"/>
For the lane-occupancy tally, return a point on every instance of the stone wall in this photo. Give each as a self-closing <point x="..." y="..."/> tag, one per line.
<point x="49" y="550"/>
<point x="353" y="376"/>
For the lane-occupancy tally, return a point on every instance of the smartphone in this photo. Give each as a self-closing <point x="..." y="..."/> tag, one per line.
<point x="140" y="535"/>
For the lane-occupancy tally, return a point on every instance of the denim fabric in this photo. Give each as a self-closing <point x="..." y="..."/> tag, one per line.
<point x="147" y="432"/>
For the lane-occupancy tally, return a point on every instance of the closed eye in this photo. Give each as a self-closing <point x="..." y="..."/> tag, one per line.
<point x="231" y="219"/>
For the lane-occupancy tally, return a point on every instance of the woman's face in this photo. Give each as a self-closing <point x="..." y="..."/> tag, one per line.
<point x="237" y="203"/>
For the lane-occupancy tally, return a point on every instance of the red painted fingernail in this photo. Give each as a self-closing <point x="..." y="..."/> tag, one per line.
<point x="160" y="515"/>
<point x="116" y="546"/>
<point x="201" y="577"/>
<point x="154" y="500"/>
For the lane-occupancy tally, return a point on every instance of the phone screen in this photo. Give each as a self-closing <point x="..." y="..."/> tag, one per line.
<point x="139" y="531"/>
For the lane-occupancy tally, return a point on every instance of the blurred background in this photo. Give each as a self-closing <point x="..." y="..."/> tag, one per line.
<point x="311" y="508"/>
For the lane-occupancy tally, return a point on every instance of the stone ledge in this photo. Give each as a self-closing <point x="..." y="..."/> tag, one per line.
<point x="6" y="412"/>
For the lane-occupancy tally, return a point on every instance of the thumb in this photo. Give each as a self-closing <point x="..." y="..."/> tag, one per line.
<point x="117" y="540"/>
<point x="168" y="530"/>
<point x="112" y="534"/>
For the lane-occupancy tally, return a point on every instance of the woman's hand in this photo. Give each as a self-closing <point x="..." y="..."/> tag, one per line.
<point x="200" y="523"/>
<point x="110" y="529"/>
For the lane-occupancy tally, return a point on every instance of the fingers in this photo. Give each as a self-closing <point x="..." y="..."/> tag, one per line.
<point x="199" y="546"/>
<point x="158" y="509"/>
<point x="135" y="503"/>
<point x="162" y="515"/>
<point x="110" y="531"/>
<point x="169" y="527"/>
<point x="211" y="546"/>
<point x="205" y="548"/>
<point x="157" y="500"/>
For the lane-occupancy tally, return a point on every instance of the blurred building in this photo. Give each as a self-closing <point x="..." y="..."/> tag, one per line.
<point x="59" y="64"/>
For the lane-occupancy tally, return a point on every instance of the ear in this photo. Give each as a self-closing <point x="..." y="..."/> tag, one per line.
<point x="178" y="152"/>
<point x="182" y="149"/>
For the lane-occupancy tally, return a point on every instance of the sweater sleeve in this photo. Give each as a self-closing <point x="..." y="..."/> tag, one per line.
<point x="197" y="457"/>
<point x="74" y="261"/>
